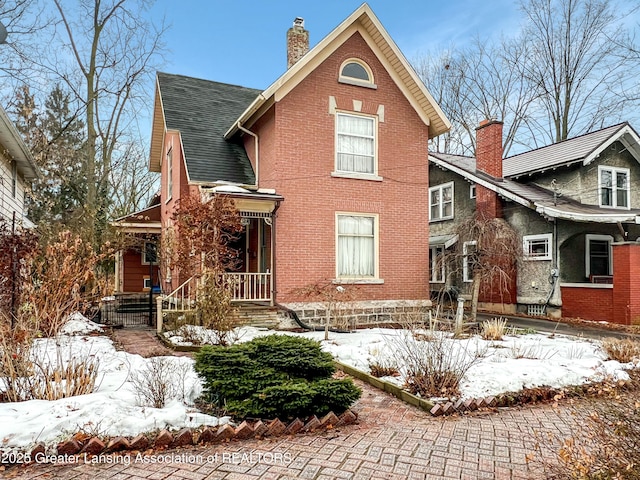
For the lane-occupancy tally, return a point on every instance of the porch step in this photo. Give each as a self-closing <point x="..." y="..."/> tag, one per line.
<point x="257" y="316"/>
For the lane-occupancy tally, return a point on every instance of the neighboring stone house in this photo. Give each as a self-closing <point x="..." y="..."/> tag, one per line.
<point x="576" y="205"/>
<point x="17" y="169"/>
<point x="328" y="168"/>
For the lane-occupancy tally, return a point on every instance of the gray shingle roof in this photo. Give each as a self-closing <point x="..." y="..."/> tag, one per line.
<point x="202" y="111"/>
<point x="561" y="153"/>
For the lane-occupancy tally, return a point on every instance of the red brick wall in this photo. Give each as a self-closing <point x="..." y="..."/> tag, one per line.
<point x="626" y="284"/>
<point x="589" y="303"/>
<point x="489" y="160"/>
<point x="298" y="156"/>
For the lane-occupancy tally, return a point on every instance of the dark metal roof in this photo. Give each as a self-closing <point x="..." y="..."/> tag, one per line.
<point x="561" y="153"/>
<point x="202" y="111"/>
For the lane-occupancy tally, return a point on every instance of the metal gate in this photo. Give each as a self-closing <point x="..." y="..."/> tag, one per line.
<point x="129" y="310"/>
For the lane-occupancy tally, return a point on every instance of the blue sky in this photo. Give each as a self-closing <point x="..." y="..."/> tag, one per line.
<point x="243" y="42"/>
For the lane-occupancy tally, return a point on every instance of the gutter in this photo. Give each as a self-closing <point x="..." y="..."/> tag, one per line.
<point x="257" y="148"/>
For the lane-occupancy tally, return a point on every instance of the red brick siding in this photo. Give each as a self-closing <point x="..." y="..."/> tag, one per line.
<point x="626" y="284"/>
<point x="588" y="303"/>
<point x="298" y="156"/>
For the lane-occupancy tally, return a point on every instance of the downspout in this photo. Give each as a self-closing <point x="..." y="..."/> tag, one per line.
<point x="257" y="149"/>
<point x="555" y="272"/>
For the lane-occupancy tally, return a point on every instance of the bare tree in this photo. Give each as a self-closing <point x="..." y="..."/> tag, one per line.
<point x="574" y="63"/>
<point x="484" y="80"/>
<point x="103" y="51"/>
<point x="489" y="251"/>
<point x="564" y="74"/>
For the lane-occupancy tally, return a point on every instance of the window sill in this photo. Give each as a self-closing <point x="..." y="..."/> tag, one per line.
<point x="357" y="176"/>
<point x="357" y="83"/>
<point x="443" y="219"/>
<point x="536" y="259"/>
<point x="358" y="281"/>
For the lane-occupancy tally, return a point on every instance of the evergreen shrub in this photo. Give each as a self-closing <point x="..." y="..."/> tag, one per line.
<point x="275" y="376"/>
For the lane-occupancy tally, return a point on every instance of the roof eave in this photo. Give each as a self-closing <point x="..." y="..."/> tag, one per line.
<point x="430" y="112"/>
<point x="553" y="212"/>
<point x="17" y="148"/>
<point x="158" y="131"/>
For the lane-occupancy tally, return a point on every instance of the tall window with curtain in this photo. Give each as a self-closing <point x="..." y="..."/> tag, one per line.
<point x="356" y="249"/>
<point x="355" y="144"/>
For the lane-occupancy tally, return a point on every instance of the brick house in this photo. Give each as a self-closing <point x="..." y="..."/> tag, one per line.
<point x="573" y="204"/>
<point x="17" y="168"/>
<point x="328" y="168"/>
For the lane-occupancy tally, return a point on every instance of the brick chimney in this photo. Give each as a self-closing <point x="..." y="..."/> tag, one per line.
<point x="489" y="162"/>
<point x="297" y="42"/>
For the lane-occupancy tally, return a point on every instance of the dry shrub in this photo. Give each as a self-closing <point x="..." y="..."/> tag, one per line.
<point x="337" y="300"/>
<point x="493" y="329"/>
<point x="28" y="373"/>
<point x="604" y="443"/>
<point x="216" y="311"/>
<point x="435" y="365"/>
<point x="623" y="350"/>
<point x="160" y="380"/>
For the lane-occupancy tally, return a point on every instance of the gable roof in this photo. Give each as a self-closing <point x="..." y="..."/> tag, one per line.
<point x="584" y="148"/>
<point x="201" y="111"/>
<point x="363" y="20"/>
<point x="533" y="196"/>
<point x="16" y="148"/>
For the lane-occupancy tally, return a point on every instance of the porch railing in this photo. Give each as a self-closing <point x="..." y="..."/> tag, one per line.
<point x="251" y="287"/>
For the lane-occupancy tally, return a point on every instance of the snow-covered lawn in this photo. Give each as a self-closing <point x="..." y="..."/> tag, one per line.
<point x="112" y="409"/>
<point x="509" y="365"/>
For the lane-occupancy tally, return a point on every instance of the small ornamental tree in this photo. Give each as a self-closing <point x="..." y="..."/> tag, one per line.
<point x="275" y="376"/>
<point x="490" y="249"/>
<point x="201" y="244"/>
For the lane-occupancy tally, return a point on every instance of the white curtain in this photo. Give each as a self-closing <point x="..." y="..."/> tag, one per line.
<point x="356" y="256"/>
<point x="355" y="144"/>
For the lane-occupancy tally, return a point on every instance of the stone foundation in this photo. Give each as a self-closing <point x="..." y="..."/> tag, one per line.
<point x="352" y="315"/>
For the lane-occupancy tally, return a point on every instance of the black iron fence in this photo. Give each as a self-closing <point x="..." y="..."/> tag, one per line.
<point x="129" y="310"/>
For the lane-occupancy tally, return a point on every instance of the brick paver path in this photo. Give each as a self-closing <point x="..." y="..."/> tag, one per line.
<point x="392" y="440"/>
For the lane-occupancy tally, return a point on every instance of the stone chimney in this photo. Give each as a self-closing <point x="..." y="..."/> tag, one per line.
<point x="489" y="162"/>
<point x="297" y="42"/>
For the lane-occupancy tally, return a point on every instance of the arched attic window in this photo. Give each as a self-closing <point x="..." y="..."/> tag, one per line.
<point x="356" y="72"/>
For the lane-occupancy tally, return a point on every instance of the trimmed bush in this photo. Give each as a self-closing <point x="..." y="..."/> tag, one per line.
<point x="274" y="376"/>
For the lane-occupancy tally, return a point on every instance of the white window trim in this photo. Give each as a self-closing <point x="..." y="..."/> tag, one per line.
<point x="356" y="175"/>
<point x="528" y="239"/>
<point x="440" y="188"/>
<point x="614" y="188"/>
<point x="144" y="254"/>
<point x="587" y="251"/>
<point x="357" y="81"/>
<point x="465" y="263"/>
<point x="433" y="258"/>
<point x="472" y="190"/>
<point x="144" y="283"/>
<point x="169" y="174"/>
<point x="376" y="250"/>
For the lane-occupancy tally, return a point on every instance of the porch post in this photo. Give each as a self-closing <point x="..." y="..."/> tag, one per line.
<point x="272" y="260"/>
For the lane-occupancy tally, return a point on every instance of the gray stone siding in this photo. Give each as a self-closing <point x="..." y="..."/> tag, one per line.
<point x="352" y="315"/>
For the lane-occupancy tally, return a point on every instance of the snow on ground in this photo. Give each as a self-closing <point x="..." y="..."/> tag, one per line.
<point x="112" y="409"/>
<point x="509" y="365"/>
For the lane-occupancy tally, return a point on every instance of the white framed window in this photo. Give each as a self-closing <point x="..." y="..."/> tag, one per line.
<point x="356" y="246"/>
<point x="469" y="250"/>
<point x="437" y="261"/>
<point x="537" y="247"/>
<point x="146" y="283"/>
<point x="598" y="255"/>
<point x="169" y="174"/>
<point x="472" y="191"/>
<point x="149" y="253"/>
<point x="613" y="187"/>
<point x="441" y="202"/>
<point x="356" y="144"/>
<point x="356" y="72"/>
